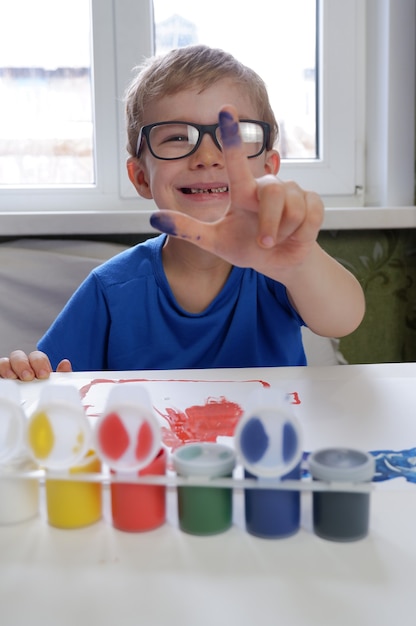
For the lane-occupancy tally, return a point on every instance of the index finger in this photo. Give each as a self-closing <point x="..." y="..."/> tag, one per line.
<point x="242" y="184"/>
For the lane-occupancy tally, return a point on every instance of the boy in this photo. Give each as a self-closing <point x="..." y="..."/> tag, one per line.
<point x="238" y="270"/>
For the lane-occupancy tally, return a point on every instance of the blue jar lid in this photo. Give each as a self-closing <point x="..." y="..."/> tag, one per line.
<point x="268" y="438"/>
<point x="341" y="465"/>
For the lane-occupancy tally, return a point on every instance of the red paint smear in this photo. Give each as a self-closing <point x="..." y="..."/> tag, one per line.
<point x="196" y="423"/>
<point x="99" y="381"/>
<point x="217" y="417"/>
<point x="295" y="398"/>
<point x="113" y="437"/>
<point x="144" y="441"/>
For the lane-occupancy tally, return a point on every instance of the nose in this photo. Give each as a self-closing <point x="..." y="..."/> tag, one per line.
<point x="207" y="155"/>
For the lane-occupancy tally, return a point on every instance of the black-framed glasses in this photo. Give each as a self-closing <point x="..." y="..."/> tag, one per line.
<point x="176" y="140"/>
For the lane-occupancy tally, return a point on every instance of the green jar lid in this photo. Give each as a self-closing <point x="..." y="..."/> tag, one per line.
<point x="204" y="459"/>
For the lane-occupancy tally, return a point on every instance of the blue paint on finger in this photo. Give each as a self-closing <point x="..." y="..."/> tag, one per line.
<point x="229" y="130"/>
<point x="163" y="223"/>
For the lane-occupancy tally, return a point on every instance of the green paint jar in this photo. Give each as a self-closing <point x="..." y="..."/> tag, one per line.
<point x="204" y="510"/>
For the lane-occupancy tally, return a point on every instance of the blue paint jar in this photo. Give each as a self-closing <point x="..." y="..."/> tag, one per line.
<point x="270" y="513"/>
<point x="341" y="516"/>
<point x="268" y="442"/>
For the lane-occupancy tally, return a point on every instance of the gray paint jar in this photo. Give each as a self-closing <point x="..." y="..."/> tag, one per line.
<point x="341" y="516"/>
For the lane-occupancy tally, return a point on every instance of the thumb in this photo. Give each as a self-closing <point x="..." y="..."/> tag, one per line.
<point x="183" y="226"/>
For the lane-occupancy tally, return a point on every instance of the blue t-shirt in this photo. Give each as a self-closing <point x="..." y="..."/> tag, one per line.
<point x="124" y="316"/>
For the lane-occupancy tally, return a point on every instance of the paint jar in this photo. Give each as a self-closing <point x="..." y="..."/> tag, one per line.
<point x="268" y="441"/>
<point x="341" y="516"/>
<point x="204" y="510"/>
<point x="272" y="513"/>
<point x="19" y="496"/>
<point x="139" y="507"/>
<point x="72" y="503"/>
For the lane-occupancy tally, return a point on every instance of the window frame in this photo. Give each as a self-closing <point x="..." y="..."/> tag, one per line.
<point x="382" y="34"/>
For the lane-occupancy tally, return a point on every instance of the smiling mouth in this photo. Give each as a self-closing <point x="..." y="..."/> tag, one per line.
<point x="197" y="190"/>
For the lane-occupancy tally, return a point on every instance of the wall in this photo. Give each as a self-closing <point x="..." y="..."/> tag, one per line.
<point x="385" y="263"/>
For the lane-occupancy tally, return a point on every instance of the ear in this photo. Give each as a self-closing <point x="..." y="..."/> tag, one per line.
<point x="272" y="165"/>
<point x="137" y="176"/>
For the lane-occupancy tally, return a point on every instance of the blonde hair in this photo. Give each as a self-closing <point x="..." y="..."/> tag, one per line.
<point x="195" y="66"/>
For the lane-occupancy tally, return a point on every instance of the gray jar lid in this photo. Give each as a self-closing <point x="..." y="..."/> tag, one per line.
<point x="341" y="464"/>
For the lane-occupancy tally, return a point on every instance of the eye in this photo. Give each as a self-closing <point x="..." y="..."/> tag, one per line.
<point x="172" y="134"/>
<point x="175" y="139"/>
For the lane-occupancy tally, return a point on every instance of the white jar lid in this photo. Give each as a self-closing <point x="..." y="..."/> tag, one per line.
<point x="12" y="421"/>
<point x="268" y="439"/>
<point x="58" y="433"/>
<point x="127" y="436"/>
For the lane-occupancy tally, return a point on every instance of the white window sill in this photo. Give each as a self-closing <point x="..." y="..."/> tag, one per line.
<point x="131" y="221"/>
<point x="369" y="217"/>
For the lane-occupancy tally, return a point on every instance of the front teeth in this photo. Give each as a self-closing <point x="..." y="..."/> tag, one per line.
<point x="215" y="190"/>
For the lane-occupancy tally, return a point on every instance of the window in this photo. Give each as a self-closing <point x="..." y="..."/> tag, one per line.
<point x="46" y="126"/>
<point x="307" y="52"/>
<point x="291" y="83"/>
<point x="349" y="75"/>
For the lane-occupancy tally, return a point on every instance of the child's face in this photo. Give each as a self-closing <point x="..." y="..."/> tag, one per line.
<point x="170" y="183"/>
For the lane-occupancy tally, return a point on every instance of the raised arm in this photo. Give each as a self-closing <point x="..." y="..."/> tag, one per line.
<point x="272" y="227"/>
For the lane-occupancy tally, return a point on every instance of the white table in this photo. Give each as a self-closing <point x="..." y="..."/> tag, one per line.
<point x="100" y="576"/>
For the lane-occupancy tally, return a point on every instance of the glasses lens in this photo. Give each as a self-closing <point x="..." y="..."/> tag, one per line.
<point x="172" y="141"/>
<point x="252" y="135"/>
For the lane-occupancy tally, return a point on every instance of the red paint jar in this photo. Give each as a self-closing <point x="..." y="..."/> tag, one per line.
<point x="138" y="507"/>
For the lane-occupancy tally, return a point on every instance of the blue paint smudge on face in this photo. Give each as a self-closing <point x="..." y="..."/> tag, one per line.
<point x="164" y="223"/>
<point x="254" y="440"/>
<point x="290" y="442"/>
<point x="389" y="464"/>
<point x="229" y="130"/>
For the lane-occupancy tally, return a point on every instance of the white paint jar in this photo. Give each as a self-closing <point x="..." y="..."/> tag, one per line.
<point x="19" y="497"/>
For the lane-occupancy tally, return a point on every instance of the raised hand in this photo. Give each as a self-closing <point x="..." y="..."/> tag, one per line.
<point x="269" y="225"/>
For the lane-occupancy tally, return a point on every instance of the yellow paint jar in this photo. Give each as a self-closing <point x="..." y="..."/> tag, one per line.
<point x="73" y="504"/>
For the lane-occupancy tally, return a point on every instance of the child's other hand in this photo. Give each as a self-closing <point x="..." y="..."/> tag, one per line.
<point x="21" y="366"/>
<point x="270" y="225"/>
